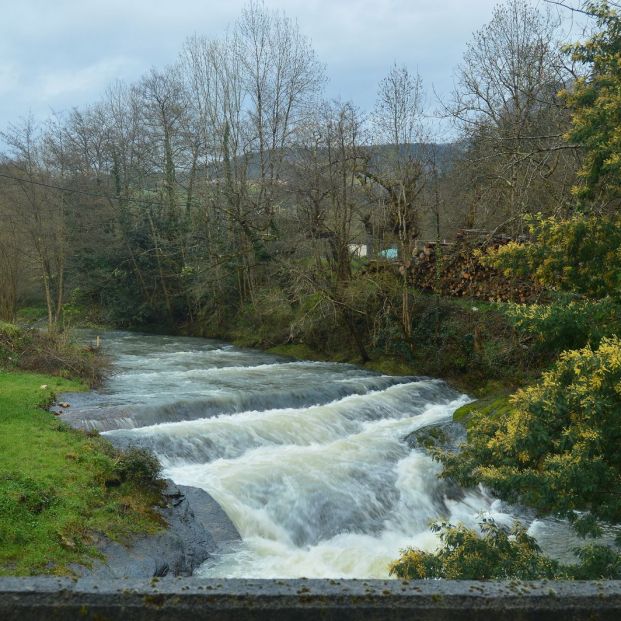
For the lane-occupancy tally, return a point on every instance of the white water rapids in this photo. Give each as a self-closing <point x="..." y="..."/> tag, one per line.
<point x="308" y="459"/>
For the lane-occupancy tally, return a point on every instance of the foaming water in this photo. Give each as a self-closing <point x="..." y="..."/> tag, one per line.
<point x="308" y="459"/>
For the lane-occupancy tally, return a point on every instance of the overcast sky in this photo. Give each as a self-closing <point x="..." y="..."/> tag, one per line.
<point x="57" y="54"/>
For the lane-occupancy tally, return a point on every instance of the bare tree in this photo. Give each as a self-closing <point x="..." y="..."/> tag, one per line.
<point x="325" y="183"/>
<point x="282" y="79"/>
<point x="506" y="104"/>
<point x="36" y="159"/>
<point x="250" y="93"/>
<point x="398" y="177"/>
<point x="12" y="264"/>
<point x="213" y="75"/>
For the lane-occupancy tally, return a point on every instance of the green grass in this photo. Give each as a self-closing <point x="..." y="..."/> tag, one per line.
<point x="58" y="487"/>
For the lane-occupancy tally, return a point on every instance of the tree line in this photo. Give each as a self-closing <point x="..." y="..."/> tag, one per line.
<point x="227" y="186"/>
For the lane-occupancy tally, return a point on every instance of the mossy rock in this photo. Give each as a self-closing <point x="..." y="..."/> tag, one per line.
<point x="427" y="438"/>
<point x="390" y="366"/>
<point x="296" y="350"/>
<point x="491" y="406"/>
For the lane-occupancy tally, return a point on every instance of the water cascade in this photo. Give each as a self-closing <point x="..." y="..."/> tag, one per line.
<point x="308" y="459"/>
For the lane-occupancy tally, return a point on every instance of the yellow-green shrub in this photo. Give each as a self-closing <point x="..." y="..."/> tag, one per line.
<point x="581" y="254"/>
<point x="565" y="323"/>
<point x="497" y="553"/>
<point x="558" y="447"/>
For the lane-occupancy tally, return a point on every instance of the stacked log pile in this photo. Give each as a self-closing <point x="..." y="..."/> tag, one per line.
<point x="453" y="269"/>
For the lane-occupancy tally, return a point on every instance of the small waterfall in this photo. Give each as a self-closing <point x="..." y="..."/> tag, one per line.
<point x="308" y="459"/>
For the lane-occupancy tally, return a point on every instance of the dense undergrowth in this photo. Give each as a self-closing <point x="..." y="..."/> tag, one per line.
<point x="30" y="349"/>
<point x="470" y="343"/>
<point x="552" y="445"/>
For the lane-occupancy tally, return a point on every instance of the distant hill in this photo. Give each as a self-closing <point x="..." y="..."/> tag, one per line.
<point x="444" y="154"/>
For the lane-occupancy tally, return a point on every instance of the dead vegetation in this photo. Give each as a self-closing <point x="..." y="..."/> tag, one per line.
<point x="30" y="349"/>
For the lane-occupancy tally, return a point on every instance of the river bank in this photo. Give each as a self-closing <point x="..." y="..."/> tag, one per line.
<point x="470" y="343"/>
<point x="70" y="503"/>
<point x="195" y="528"/>
<point x="60" y="488"/>
<point x="67" y="508"/>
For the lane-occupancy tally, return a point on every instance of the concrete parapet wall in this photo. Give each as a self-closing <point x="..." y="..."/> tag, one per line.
<point x="195" y="599"/>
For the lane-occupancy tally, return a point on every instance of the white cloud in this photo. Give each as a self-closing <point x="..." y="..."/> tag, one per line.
<point x="91" y="79"/>
<point x="63" y="53"/>
<point x="9" y="77"/>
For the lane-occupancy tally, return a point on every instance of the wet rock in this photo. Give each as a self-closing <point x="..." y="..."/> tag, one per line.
<point x="446" y="436"/>
<point x="211" y="515"/>
<point x="177" y="551"/>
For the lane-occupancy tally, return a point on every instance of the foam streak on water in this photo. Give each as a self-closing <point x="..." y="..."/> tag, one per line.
<point x="308" y="459"/>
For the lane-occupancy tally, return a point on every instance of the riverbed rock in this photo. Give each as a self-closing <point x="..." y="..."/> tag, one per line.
<point x="178" y="550"/>
<point x="209" y="513"/>
<point x="446" y="435"/>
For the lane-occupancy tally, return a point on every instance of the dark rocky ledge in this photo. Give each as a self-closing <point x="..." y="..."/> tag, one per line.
<point x="197" y="527"/>
<point x="445" y="435"/>
<point x="29" y="599"/>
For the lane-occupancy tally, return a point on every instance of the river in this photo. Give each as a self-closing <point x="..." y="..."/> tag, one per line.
<point x="308" y="459"/>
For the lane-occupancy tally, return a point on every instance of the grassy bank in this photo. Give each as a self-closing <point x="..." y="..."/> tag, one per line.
<point x="60" y="489"/>
<point x="381" y="364"/>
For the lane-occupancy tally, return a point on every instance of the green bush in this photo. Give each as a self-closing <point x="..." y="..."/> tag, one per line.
<point x="31" y="314"/>
<point x="459" y="339"/>
<point x="139" y="466"/>
<point x="267" y="321"/>
<point x="556" y="448"/>
<point x="565" y="324"/>
<point x="55" y="354"/>
<point x="9" y="331"/>
<point x="494" y="554"/>
<point x="597" y="563"/>
<point x="581" y="254"/>
<point x="314" y="323"/>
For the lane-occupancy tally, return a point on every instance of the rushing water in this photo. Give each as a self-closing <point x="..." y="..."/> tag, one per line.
<point x="308" y="459"/>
